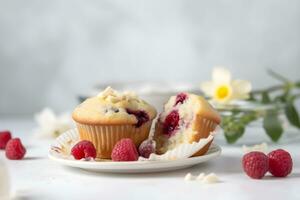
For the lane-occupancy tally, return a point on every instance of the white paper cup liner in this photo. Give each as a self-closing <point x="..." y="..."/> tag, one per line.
<point x="64" y="143"/>
<point x="182" y="151"/>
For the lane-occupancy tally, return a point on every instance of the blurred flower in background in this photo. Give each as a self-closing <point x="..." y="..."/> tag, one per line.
<point x="222" y="89"/>
<point x="50" y="125"/>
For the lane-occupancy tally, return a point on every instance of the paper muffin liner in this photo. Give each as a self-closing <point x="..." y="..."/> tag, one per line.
<point x="205" y="128"/>
<point x="104" y="137"/>
<point x="64" y="143"/>
<point x="182" y="151"/>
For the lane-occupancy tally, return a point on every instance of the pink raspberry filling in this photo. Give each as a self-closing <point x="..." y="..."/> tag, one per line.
<point x="171" y="123"/>
<point x="180" y="98"/>
<point x="141" y="116"/>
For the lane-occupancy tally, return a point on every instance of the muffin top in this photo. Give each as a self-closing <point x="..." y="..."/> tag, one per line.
<point x="112" y="107"/>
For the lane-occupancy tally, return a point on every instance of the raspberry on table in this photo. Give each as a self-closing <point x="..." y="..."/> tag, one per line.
<point x="280" y="163"/>
<point x="84" y="149"/>
<point x="146" y="148"/>
<point x="124" y="150"/>
<point x="14" y="149"/>
<point x="5" y="136"/>
<point x="255" y="164"/>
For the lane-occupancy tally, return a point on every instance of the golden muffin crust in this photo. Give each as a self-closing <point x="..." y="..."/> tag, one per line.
<point x="111" y="107"/>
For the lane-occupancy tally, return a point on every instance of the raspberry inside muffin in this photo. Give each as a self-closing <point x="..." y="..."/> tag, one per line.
<point x="185" y="119"/>
<point x="171" y="123"/>
<point x="141" y="116"/>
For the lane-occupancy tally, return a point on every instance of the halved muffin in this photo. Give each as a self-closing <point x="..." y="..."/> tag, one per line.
<point x="186" y="118"/>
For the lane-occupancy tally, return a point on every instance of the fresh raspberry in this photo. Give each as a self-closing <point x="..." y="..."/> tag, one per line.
<point x="180" y="98"/>
<point x="171" y="123"/>
<point x="141" y="116"/>
<point x="14" y="149"/>
<point x="124" y="150"/>
<point x="280" y="163"/>
<point x="255" y="164"/>
<point x="84" y="149"/>
<point x="5" y="136"/>
<point x="146" y="148"/>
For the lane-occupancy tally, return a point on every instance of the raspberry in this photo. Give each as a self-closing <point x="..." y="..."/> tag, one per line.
<point x="146" y="148"/>
<point x="5" y="136"/>
<point x="171" y="123"/>
<point x="84" y="149"/>
<point x="124" y="150"/>
<point x="141" y="116"/>
<point x="280" y="163"/>
<point x="180" y="98"/>
<point x="255" y="164"/>
<point x="14" y="149"/>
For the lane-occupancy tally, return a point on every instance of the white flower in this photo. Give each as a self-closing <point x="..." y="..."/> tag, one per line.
<point x="222" y="89"/>
<point x="51" y="125"/>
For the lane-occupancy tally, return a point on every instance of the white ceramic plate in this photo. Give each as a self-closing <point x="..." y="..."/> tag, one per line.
<point x="62" y="156"/>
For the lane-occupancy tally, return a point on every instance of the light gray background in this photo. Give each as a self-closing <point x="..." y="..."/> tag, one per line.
<point x="52" y="50"/>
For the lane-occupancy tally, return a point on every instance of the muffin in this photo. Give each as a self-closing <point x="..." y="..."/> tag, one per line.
<point x="111" y="116"/>
<point x="186" y="118"/>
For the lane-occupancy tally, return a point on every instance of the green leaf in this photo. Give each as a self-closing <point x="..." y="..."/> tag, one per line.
<point x="251" y="97"/>
<point x="265" y="98"/>
<point x="297" y="84"/>
<point x="233" y="129"/>
<point x="292" y="114"/>
<point x="233" y="135"/>
<point x="272" y="126"/>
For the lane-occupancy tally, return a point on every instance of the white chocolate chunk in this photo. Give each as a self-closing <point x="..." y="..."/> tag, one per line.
<point x="113" y="96"/>
<point x="200" y="177"/>
<point x="210" y="178"/>
<point x="189" y="177"/>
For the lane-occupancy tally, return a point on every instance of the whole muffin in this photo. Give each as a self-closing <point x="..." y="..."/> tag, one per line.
<point x="111" y="116"/>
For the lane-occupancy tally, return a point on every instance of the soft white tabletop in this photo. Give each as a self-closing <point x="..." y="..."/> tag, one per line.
<point x="37" y="177"/>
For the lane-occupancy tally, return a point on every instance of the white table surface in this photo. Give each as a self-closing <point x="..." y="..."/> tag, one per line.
<point x="37" y="177"/>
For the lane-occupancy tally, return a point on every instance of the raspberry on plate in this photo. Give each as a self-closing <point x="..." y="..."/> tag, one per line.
<point x="124" y="150"/>
<point x="255" y="164"/>
<point x="280" y="163"/>
<point x="14" y="149"/>
<point x="146" y="148"/>
<point x="84" y="149"/>
<point x="5" y="136"/>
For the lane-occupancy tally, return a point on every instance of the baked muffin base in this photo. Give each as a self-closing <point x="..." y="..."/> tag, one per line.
<point x="104" y="137"/>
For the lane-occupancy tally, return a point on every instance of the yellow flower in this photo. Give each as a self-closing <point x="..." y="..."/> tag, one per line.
<point x="222" y="89"/>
